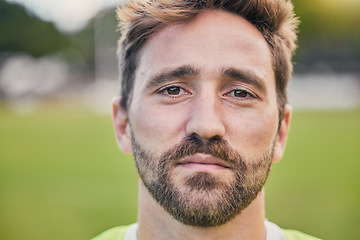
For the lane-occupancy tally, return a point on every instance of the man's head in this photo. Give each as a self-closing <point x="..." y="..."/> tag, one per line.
<point x="203" y="117"/>
<point x="139" y="20"/>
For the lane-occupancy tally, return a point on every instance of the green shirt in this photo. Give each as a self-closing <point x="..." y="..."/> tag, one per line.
<point x="296" y="235"/>
<point x="118" y="233"/>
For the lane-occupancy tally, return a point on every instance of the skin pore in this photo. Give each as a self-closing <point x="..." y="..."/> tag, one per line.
<point x="211" y="81"/>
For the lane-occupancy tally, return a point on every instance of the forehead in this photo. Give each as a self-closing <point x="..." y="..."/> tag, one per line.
<point x="212" y="41"/>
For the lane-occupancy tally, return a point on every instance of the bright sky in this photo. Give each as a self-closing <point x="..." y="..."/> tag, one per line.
<point x="68" y="15"/>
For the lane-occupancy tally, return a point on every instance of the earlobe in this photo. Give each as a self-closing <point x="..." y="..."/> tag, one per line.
<point x="282" y="134"/>
<point x="121" y="127"/>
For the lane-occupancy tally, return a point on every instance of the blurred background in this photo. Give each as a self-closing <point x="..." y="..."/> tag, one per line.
<point x="61" y="173"/>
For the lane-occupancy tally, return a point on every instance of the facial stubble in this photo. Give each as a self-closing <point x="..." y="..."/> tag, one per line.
<point x="202" y="199"/>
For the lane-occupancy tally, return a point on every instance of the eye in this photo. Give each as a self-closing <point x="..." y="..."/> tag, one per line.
<point x="240" y="93"/>
<point x="172" y="91"/>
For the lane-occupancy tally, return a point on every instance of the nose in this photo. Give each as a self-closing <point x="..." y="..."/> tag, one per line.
<point x="206" y="118"/>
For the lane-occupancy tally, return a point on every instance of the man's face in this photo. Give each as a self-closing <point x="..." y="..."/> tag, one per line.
<point x="203" y="120"/>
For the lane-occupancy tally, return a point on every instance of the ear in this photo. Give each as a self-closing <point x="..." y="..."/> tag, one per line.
<point x="121" y="127"/>
<point x="282" y="134"/>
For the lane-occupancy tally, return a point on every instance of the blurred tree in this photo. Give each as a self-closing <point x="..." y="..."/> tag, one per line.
<point x="21" y="32"/>
<point x="83" y="43"/>
<point x="329" y="34"/>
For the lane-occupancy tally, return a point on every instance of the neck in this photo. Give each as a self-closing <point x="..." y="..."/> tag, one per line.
<point x="156" y="223"/>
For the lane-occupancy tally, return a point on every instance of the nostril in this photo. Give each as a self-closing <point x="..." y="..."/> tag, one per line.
<point x="196" y="137"/>
<point x="215" y="138"/>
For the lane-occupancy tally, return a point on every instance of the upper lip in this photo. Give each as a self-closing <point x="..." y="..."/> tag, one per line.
<point x="201" y="158"/>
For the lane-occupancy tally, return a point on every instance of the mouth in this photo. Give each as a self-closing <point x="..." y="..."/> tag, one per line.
<point x="203" y="163"/>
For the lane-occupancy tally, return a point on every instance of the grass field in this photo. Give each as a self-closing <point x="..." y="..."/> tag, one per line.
<point x="63" y="177"/>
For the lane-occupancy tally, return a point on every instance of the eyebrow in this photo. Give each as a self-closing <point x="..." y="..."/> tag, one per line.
<point x="245" y="76"/>
<point x="168" y="75"/>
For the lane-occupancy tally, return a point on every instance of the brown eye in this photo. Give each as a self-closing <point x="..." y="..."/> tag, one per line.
<point x="240" y="93"/>
<point x="173" y="90"/>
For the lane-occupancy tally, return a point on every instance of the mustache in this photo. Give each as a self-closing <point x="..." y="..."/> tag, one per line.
<point x="215" y="146"/>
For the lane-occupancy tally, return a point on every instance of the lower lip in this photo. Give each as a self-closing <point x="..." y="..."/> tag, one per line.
<point x="202" y="167"/>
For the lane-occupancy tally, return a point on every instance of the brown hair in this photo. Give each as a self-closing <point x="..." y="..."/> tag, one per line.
<point x="141" y="19"/>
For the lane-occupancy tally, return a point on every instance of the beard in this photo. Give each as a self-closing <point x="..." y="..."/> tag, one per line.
<point x="202" y="199"/>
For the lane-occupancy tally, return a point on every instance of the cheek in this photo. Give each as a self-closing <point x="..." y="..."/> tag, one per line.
<point x="156" y="128"/>
<point x="254" y="132"/>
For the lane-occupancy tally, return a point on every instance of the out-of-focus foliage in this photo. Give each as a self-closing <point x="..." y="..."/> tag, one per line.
<point x="329" y="33"/>
<point x="21" y="32"/>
